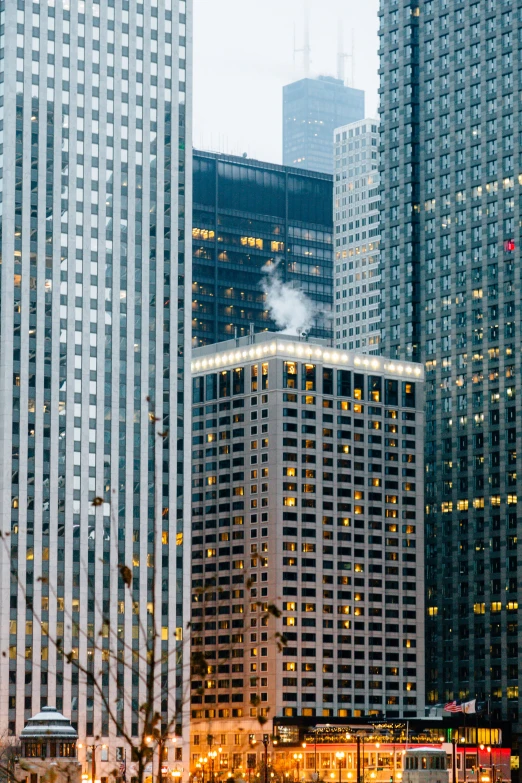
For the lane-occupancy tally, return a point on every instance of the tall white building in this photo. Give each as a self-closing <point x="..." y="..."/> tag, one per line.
<point x="307" y="492"/>
<point x="95" y="194"/>
<point x="356" y="232"/>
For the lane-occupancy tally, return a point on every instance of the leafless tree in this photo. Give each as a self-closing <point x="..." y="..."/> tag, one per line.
<point x="150" y="666"/>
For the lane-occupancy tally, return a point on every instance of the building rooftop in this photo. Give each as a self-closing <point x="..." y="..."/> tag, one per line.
<point x="267" y="344"/>
<point x="49" y="723"/>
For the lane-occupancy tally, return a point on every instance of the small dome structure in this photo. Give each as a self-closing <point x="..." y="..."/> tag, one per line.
<point x="49" y="734"/>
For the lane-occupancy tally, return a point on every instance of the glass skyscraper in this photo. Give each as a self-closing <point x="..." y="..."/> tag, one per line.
<point x="247" y="214"/>
<point x="450" y="248"/>
<point x="312" y="110"/>
<point x="95" y="198"/>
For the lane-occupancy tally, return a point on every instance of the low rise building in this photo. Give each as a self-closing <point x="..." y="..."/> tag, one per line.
<point x="48" y="750"/>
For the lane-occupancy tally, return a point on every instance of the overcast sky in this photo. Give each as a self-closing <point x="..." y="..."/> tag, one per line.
<point x="244" y="54"/>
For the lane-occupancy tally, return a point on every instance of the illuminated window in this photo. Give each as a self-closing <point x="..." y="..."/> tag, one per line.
<point x="290" y="375"/>
<point x="309" y="377"/>
<point x="203" y="233"/>
<point x="255" y="242"/>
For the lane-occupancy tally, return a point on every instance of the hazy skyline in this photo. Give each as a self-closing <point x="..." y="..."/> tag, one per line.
<point x="244" y="54"/>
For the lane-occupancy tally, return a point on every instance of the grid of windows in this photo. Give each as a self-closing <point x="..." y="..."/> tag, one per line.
<point x="93" y="112"/>
<point x="307" y="489"/>
<point x="312" y="109"/>
<point x="247" y="215"/>
<point x="450" y="168"/>
<point x="357" y="279"/>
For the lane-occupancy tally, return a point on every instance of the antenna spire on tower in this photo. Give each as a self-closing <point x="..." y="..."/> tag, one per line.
<point x="341" y="54"/>
<point x="306" y="50"/>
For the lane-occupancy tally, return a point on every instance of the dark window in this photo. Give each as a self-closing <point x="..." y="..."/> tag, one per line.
<point x="392" y="393"/>
<point x="327" y="380"/>
<point x="204" y="181"/>
<point x="211" y="387"/>
<point x="224" y="383"/>
<point x="197" y="389"/>
<point x="344" y="383"/>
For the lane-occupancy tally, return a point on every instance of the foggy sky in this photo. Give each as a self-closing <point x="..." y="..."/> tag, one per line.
<point x="244" y="54"/>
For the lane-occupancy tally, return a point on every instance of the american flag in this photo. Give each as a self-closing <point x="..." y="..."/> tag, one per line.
<point x="452" y="706"/>
<point x="123" y="769"/>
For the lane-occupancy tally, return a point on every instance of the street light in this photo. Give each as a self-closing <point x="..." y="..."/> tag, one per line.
<point x="358" y="739"/>
<point x="202" y="761"/>
<point x="297" y="758"/>
<point x="212" y="754"/>
<point x="340" y="758"/>
<point x="92" y="748"/>
<point x="160" y="743"/>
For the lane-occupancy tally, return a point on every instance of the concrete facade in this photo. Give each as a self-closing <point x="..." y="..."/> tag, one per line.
<point x="357" y="279"/>
<point x="95" y="183"/>
<point x="307" y="492"/>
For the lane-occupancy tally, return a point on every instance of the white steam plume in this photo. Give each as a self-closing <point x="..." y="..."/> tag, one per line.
<point x="290" y="308"/>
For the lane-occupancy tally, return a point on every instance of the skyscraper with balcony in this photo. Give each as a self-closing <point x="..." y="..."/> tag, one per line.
<point x="95" y="182"/>
<point x="450" y="247"/>
<point x="312" y="109"/>
<point x="307" y="494"/>
<point x="357" y="280"/>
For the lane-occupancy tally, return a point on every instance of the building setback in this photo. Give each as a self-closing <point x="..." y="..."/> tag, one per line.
<point x="249" y="214"/>
<point x="312" y="109"/>
<point x="95" y="317"/>
<point x="307" y="493"/>
<point x="451" y="187"/>
<point x="357" y="280"/>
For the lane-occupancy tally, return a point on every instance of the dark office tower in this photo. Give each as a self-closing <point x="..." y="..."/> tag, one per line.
<point x="312" y="110"/>
<point x="450" y="245"/>
<point x="247" y="214"/>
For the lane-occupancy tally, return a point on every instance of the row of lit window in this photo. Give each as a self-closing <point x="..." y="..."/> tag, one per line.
<point x="463" y="505"/>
